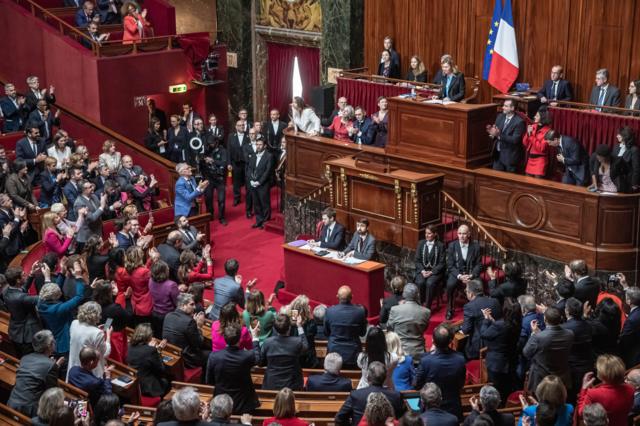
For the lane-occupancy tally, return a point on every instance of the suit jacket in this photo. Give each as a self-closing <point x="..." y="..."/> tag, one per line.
<point x="181" y="330"/>
<point x="410" y="320"/>
<point x="261" y="171"/>
<point x="328" y="382"/>
<point x="171" y="255"/>
<point x="611" y="97"/>
<point x="50" y="191"/>
<point x="24" y="321"/>
<point x="630" y="167"/>
<point x="445" y="368"/>
<point x="472" y="323"/>
<point x="20" y="190"/>
<point x="14" y="116"/>
<point x="365" y="133"/>
<point x="501" y="343"/>
<point x="387" y="304"/>
<point x="335" y="240"/>
<point x="549" y="352"/>
<point x="82" y="20"/>
<point x="344" y="323"/>
<point x="25" y="152"/>
<point x="188" y="123"/>
<point x="394" y="70"/>
<point x="178" y="144"/>
<point x="629" y="340"/>
<point x="581" y="357"/>
<point x="368" y="248"/>
<point x="437" y="416"/>
<point x="456" y="88"/>
<point x="229" y="370"/>
<point x="456" y="264"/>
<point x="587" y="290"/>
<point x="236" y="150"/>
<point x="186" y="193"/>
<point x="71" y="192"/>
<point x="510" y="140"/>
<point x="152" y="374"/>
<point x="189" y="241"/>
<point x="499" y="419"/>
<point x="636" y="107"/>
<point x="124" y="176"/>
<point x="563" y="93"/>
<point x="281" y="355"/>
<point x="353" y="408"/>
<point x="274" y="136"/>
<point x="31" y="99"/>
<point x="36" y="373"/>
<point x="434" y="261"/>
<point x="44" y="124"/>
<point x="15" y="241"/>
<point x="508" y="288"/>
<point x="575" y="159"/>
<point x="92" y="224"/>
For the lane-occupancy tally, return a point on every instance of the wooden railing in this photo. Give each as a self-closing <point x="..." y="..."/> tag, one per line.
<point x="106" y="48"/>
<point x="363" y="74"/>
<point x="604" y="109"/>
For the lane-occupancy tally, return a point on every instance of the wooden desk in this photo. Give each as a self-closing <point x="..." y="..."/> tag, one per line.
<point x="529" y="103"/>
<point x="171" y="357"/>
<point x="319" y="278"/>
<point x="452" y="134"/>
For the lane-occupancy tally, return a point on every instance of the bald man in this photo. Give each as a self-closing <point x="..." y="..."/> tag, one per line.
<point x="170" y="252"/>
<point x="463" y="264"/>
<point x="128" y="172"/>
<point x="344" y="323"/>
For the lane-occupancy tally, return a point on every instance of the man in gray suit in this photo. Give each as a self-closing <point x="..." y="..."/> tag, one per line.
<point x="362" y="245"/>
<point x="549" y="350"/>
<point x="37" y="373"/>
<point x="603" y="93"/>
<point x="409" y="320"/>
<point x="228" y="288"/>
<point x="92" y="224"/>
<point x="191" y="238"/>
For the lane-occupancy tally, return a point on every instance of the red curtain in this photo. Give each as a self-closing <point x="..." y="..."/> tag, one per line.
<point x="280" y="73"/>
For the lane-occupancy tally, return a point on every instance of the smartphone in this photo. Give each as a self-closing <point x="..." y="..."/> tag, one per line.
<point x="167" y="358"/>
<point x="294" y="314"/>
<point x="81" y="408"/>
<point x="108" y="323"/>
<point x="125" y="379"/>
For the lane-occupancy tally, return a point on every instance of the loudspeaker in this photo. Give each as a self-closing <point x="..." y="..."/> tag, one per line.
<point x="322" y="99"/>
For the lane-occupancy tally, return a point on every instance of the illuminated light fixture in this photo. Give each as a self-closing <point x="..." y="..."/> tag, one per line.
<point x="178" y="88"/>
<point x="297" y="80"/>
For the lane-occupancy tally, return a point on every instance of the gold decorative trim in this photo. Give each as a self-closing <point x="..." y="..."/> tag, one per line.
<point x="368" y="176"/>
<point x="329" y="176"/>
<point x="398" y="191"/>
<point x="414" y="196"/>
<point x="345" y="187"/>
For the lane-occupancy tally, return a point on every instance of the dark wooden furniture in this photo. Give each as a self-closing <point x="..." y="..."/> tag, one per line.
<point x="527" y="103"/>
<point x="452" y="134"/>
<point x="398" y="203"/>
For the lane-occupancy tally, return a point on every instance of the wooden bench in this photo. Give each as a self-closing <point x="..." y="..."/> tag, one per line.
<point x="204" y="391"/>
<point x="146" y="413"/>
<point x="171" y="356"/>
<point x="257" y="375"/>
<point x="130" y="392"/>
<point x="11" y="417"/>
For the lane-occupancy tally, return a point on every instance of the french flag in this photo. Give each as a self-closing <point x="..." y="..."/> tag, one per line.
<point x="504" y="61"/>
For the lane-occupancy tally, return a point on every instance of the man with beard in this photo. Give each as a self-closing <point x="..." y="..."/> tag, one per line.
<point x="363" y="244"/>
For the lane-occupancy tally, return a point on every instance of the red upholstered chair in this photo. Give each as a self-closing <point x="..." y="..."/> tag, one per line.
<point x="309" y="236"/>
<point x="149" y="401"/>
<point x="119" y="346"/>
<point x="192" y="375"/>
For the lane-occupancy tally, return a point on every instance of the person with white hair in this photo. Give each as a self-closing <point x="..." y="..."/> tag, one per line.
<point x="186" y="407"/>
<point x="330" y="380"/>
<point x="488" y="403"/>
<point x="595" y="415"/>
<point x="84" y="331"/>
<point x="410" y="320"/>
<point x="221" y="407"/>
<point x="187" y="191"/>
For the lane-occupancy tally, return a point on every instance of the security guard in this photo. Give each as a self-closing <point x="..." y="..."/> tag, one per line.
<point x="213" y="165"/>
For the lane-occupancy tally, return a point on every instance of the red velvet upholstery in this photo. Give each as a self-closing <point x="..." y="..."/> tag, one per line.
<point x="9" y="140"/>
<point x="192" y="375"/>
<point x="149" y="401"/>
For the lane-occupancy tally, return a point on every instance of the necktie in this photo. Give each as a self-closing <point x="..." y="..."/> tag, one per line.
<point x="34" y="147"/>
<point x="555" y="90"/>
<point x="506" y="123"/>
<point x="190" y="185"/>
<point x="360" y="244"/>
<point x="188" y="235"/>
<point x="46" y="126"/>
<point x="601" y="97"/>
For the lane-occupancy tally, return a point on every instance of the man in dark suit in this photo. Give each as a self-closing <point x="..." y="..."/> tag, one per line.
<point x="249" y="151"/>
<point x="363" y="244"/>
<point x="258" y="177"/>
<point x="229" y="370"/>
<point x="463" y="264"/>
<point x="603" y="93"/>
<point x="45" y="120"/>
<point x="556" y="89"/>
<point x="330" y="380"/>
<point x="15" y="230"/>
<point x="188" y="116"/>
<point x="629" y="340"/>
<point x="344" y="323"/>
<point x="507" y="135"/>
<point x="429" y="265"/>
<point x="581" y="356"/>
<point x="31" y="149"/>
<point x="362" y="131"/>
<point x="187" y="409"/>
<point x="214" y="131"/>
<point x="274" y="129"/>
<point x="34" y="93"/>
<point x="72" y="190"/>
<point x="170" y="252"/>
<point x="353" y="408"/>
<point x="453" y="85"/>
<point x="549" y="350"/>
<point x="513" y="285"/>
<point x="586" y="287"/>
<point x="182" y="328"/>
<point x="37" y="373"/>
<point x="235" y="146"/>
<point x="572" y="155"/>
<point x="473" y="316"/>
<point x="87" y="14"/>
<point x="23" y="322"/>
<point x="192" y="239"/>
<point x="397" y="284"/>
<point x="14" y="109"/>
<point x="431" y="398"/>
<point x="243" y="115"/>
<point x="92" y="224"/>
<point x="331" y="232"/>
<point x="446" y="368"/>
<point x="127" y="172"/>
<point x="342" y="102"/>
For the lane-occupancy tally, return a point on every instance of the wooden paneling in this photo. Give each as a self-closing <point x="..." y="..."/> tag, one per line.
<point x="582" y="35"/>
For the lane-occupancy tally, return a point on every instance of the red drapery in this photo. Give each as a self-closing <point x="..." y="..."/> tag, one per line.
<point x="280" y="73"/>
<point x="591" y="128"/>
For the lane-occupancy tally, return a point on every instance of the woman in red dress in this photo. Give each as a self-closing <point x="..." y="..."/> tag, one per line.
<point x="134" y="23"/>
<point x="536" y="146"/>
<point x="133" y="280"/>
<point x="341" y="124"/>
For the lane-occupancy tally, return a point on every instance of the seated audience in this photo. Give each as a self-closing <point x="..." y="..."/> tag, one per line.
<point x="353" y="408"/>
<point x="342" y="124"/>
<point x="429" y="265"/>
<point x="281" y="355"/>
<point x="134" y="22"/>
<point x="330" y="380"/>
<point x="404" y="373"/>
<point x="186" y="408"/>
<point x="396" y="284"/>
<point x="409" y="320"/>
<point x="144" y="355"/>
<point x="387" y="68"/>
<point x="376" y="350"/>
<point x="380" y="120"/>
<point x="551" y="395"/>
<point x="284" y="410"/>
<point x="603" y="93"/>
<point x="257" y="310"/>
<point x="451" y="80"/>
<point x="536" y="146"/>
<point x="555" y="89"/>
<point x="463" y="264"/>
<point x="362" y="245"/>
<point x="81" y="376"/>
<point x="612" y="393"/>
<point x="628" y="153"/>
<point x="572" y="155"/>
<point x="632" y="102"/>
<point x="387" y="43"/>
<point x="331" y="234"/>
<point x="183" y="329"/>
<point x="37" y="372"/>
<point x="220" y="410"/>
<point x="488" y="403"/>
<point x="300" y="307"/>
<point x="229" y="316"/>
<point x="417" y="71"/>
<point x="344" y="323"/>
<point x="51" y="401"/>
<point x="84" y="332"/>
<point x="446" y="368"/>
<point x="432" y="414"/>
<point x="304" y="118"/>
<point x="474" y="314"/>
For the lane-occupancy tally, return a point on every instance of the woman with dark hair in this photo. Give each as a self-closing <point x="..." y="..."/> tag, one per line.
<point x="380" y="122"/>
<point x="606" y="170"/>
<point x="284" y="410"/>
<point x="606" y="326"/>
<point x="376" y="350"/>
<point x="535" y="145"/>
<point x="633" y="98"/>
<point x="107" y="408"/>
<point x="513" y="286"/>
<point x="134" y="23"/>
<point x="613" y="289"/>
<point x="177" y="137"/>
<point x="144" y="356"/>
<point x="304" y="118"/>
<point x="629" y="156"/>
<point x="197" y="291"/>
<point x="142" y="190"/>
<point x="229" y="315"/>
<point x="387" y="67"/>
<point x="190" y="268"/>
<point x="97" y="261"/>
<point x="103" y="293"/>
<point x="501" y="338"/>
<point x="417" y="71"/>
<point x="156" y="138"/>
<point x="164" y="293"/>
<point x="65" y="416"/>
<point x="257" y="310"/>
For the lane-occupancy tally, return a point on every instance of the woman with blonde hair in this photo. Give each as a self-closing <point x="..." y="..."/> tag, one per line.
<point x="48" y="405"/>
<point x="299" y="307"/>
<point x="550" y="391"/>
<point x="341" y="124"/>
<point x="85" y="332"/>
<point x="257" y="311"/>
<point x="110" y="157"/>
<point x="133" y="279"/>
<point x="404" y="372"/>
<point x="53" y="240"/>
<point x="417" y="71"/>
<point x="378" y="411"/>
<point x="284" y="410"/>
<point x="451" y="80"/>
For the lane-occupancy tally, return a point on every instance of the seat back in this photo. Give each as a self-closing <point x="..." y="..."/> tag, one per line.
<point x="471" y="88"/>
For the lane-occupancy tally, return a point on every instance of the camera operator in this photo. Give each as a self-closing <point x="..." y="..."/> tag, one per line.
<point x="213" y="166"/>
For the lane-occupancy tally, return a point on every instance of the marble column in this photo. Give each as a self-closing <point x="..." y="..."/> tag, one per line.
<point x="342" y="43"/>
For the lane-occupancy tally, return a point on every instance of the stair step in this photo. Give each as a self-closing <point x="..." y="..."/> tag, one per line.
<point x="276" y="224"/>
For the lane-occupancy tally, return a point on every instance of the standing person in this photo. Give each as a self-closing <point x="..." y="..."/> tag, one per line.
<point x="214" y="165"/>
<point x="396" y="284"/>
<point x="134" y="23"/>
<point x="259" y="312"/>
<point x="474" y="311"/>
<point x="236" y="144"/>
<point x="376" y="350"/>
<point x="31" y="149"/>
<point x="135" y="276"/>
<point x="380" y="123"/>
<point x="85" y="332"/>
<point x="429" y="265"/>
<point x="228" y="288"/>
<point x="187" y="191"/>
<point x="628" y="154"/>
<point x="177" y="140"/>
<point x="387" y="43"/>
<point x="258" y="178"/>
<point x="144" y="355"/>
<point x="183" y="329"/>
<point x="410" y="320"/>
<point x="23" y="322"/>
<point x="229" y="316"/>
<point x="304" y="118"/>
<point x="344" y="323"/>
<point x="536" y="146"/>
<point x="300" y="307"/>
<point x="92" y="223"/>
<point x="581" y="357"/>
<point x="507" y="135"/>
<point x="164" y="293"/>
<point x="274" y="131"/>
<point x="463" y="264"/>
<point x="156" y="138"/>
<point x="572" y="155"/>
<point x="451" y="80"/>
<point x="14" y="109"/>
